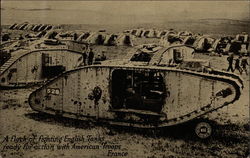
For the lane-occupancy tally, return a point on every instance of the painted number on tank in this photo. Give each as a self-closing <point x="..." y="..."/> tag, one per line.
<point x="54" y="91"/>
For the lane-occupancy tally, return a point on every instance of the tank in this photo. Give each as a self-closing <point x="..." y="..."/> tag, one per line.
<point x="137" y="95"/>
<point x="38" y="62"/>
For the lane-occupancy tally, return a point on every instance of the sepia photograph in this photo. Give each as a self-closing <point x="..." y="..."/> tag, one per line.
<point x="124" y="79"/>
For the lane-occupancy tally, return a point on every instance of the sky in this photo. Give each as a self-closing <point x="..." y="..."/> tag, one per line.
<point x="120" y="12"/>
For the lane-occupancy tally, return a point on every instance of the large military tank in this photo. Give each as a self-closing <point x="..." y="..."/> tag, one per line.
<point x="39" y="62"/>
<point x="137" y="94"/>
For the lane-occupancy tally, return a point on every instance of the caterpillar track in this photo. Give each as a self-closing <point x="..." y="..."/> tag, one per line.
<point x="137" y="96"/>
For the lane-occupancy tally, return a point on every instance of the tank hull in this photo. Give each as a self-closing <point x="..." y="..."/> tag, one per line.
<point x="29" y="67"/>
<point x="117" y="95"/>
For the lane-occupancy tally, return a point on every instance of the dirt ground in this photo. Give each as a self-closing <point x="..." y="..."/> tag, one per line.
<point x="230" y="133"/>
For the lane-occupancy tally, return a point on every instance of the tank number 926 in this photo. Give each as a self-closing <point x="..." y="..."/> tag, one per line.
<point x="54" y="91"/>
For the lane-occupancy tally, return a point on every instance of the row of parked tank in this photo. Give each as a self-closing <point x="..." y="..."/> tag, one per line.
<point x="46" y="30"/>
<point x="93" y="38"/>
<point x="201" y="43"/>
<point x="31" y="27"/>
